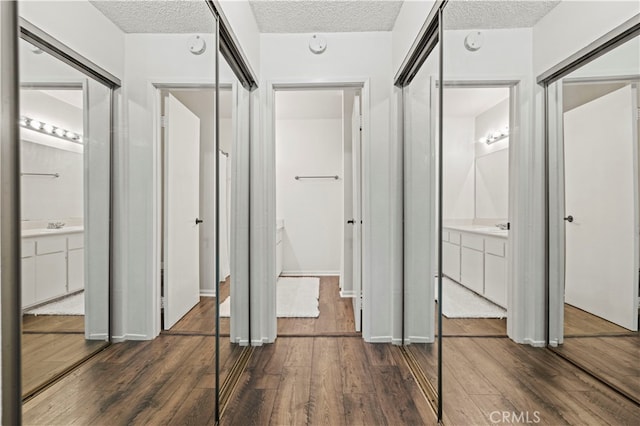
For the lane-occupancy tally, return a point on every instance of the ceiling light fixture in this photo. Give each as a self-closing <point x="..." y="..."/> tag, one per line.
<point x="50" y="129"/>
<point x="496" y="136"/>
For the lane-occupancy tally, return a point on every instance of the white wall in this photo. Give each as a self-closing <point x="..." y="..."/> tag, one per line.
<point x="572" y="25"/>
<point x="458" y="168"/>
<point x="82" y="27"/>
<point x="409" y="22"/>
<point x="492" y="165"/>
<point x="353" y="56"/>
<point x="311" y="209"/>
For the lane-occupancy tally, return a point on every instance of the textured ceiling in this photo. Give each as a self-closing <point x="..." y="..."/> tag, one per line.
<point x="482" y="14"/>
<point x="305" y="16"/>
<point x="156" y="16"/>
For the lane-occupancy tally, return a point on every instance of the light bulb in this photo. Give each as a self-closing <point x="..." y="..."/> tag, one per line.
<point x="23" y="121"/>
<point x="35" y="124"/>
<point x="70" y="135"/>
<point x="48" y="128"/>
<point x="59" y="132"/>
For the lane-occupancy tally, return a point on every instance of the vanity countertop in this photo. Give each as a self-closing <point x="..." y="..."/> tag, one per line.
<point x="42" y="232"/>
<point x="491" y="231"/>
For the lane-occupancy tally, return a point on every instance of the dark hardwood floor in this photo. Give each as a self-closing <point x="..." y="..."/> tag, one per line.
<point x="169" y="380"/>
<point x="327" y="380"/>
<point x="201" y="319"/>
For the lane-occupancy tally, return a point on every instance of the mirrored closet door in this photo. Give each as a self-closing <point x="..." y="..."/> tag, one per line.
<point x="65" y="142"/>
<point x="594" y="254"/>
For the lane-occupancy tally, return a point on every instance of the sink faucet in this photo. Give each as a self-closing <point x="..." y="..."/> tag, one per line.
<point x="503" y="226"/>
<point x="55" y="225"/>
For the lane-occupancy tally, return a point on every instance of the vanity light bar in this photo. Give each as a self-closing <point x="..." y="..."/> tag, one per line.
<point x="49" y="129"/>
<point x="494" y="137"/>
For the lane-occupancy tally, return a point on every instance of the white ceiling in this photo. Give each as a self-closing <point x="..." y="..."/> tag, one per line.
<point x="305" y="16"/>
<point x="482" y="14"/>
<point x="158" y="16"/>
<point x="471" y="102"/>
<point x="311" y="104"/>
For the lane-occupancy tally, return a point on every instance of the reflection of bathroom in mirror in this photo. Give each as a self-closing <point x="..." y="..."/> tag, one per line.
<point x="64" y="261"/>
<point x="475" y="209"/>
<point x="597" y="108"/>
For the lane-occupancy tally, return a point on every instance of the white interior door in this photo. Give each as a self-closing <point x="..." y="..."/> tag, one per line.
<point x="600" y="196"/>
<point x="181" y="208"/>
<point x="356" y="141"/>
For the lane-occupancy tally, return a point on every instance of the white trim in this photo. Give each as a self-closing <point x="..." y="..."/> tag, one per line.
<point x="264" y="193"/>
<point x="310" y="273"/>
<point x="382" y="339"/>
<point x="346" y="294"/>
<point x="418" y="339"/>
<point x="204" y="292"/>
<point x="535" y="343"/>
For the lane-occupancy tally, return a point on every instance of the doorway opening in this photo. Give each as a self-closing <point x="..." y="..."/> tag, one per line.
<point x="475" y="234"/>
<point x="318" y="146"/>
<point x="186" y="234"/>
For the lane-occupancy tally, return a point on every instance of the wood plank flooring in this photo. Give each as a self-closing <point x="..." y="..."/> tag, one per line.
<point x="615" y="359"/>
<point x="201" y="319"/>
<point x="482" y="375"/>
<point x="336" y="315"/>
<point x="169" y="380"/>
<point x="581" y="323"/>
<point x="53" y="324"/>
<point x="327" y="380"/>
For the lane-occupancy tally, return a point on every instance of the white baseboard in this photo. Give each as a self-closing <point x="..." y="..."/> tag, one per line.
<point x="97" y="336"/>
<point x="380" y="339"/>
<point x="349" y="293"/>
<point x="419" y="339"/>
<point x="125" y="337"/>
<point x="309" y="273"/>
<point x="535" y="343"/>
<point x="206" y="292"/>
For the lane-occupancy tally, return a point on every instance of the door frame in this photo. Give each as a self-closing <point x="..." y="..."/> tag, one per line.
<point x="156" y="88"/>
<point x="556" y="200"/>
<point x="266" y="306"/>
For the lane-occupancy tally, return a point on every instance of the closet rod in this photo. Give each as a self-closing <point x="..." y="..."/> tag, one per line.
<point x="336" y="177"/>
<point x="41" y="174"/>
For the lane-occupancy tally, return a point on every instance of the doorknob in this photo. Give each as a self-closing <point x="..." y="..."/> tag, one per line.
<point x="199" y="221"/>
<point x="352" y="221"/>
<point x="569" y="218"/>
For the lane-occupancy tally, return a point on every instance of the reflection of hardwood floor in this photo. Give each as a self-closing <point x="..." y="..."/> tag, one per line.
<point x="336" y="315"/>
<point x="53" y="324"/>
<point x="169" y="380"/>
<point x="581" y="323"/>
<point x="327" y="380"/>
<point x="46" y="355"/>
<point x="615" y="359"/>
<point x="201" y="319"/>
<point x="484" y="375"/>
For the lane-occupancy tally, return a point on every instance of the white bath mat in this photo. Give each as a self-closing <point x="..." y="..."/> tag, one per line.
<point x="72" y="305"/>
<point x="296" y="297"/>
<point x="459" y="302"/>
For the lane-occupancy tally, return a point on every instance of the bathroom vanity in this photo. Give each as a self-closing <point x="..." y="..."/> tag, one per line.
<point x="476" y="257"/>
<point x="52" y="263"/>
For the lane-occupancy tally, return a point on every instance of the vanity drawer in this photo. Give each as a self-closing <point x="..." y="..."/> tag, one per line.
<point x="51" y="245"/>
<point x="472" y="241"/>
<point x="454" y="237"/>
<point x="28" y="248"/>
<point x="76" y="241"/>
<point x="494" y="246"/>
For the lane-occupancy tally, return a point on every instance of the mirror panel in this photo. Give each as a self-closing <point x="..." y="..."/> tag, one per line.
<point x="65" y="131"/>
<point x="594" y="144"/>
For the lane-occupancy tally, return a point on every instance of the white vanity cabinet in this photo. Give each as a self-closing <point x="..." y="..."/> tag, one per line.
<point x="478" y="261"/>
<point x="52" y="266"/>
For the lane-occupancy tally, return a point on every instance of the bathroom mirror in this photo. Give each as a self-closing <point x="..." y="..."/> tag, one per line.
<point x="593" y="217"/>
<point x="65" y="120"/>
